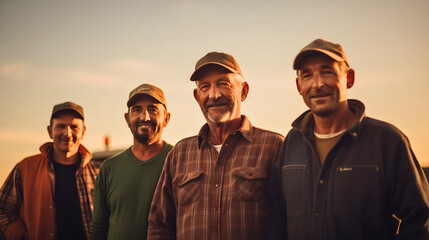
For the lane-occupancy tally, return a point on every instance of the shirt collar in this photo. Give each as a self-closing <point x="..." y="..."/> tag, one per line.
<point x="47" y="149"/>
<point x="245" y="130"/>
<point x="305" y="122"/>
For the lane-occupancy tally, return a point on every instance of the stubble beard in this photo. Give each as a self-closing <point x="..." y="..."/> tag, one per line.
<point x="145" y="137"/>
<point x="324" y="109"/>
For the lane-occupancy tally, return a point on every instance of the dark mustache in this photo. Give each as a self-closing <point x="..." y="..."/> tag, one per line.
<point x="151" y="123"/>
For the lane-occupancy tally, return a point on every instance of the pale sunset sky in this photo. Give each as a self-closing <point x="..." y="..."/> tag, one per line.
<point x="95" y="52"/>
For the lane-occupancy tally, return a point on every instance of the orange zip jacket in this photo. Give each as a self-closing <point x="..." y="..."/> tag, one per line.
<point x="27" y="197"/>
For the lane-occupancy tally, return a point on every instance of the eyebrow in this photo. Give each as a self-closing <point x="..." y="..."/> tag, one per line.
<point x="327" y="66"/>
<point x="224" y="79"/>
<point x="152" y="105"/>
<point x="303" y="71"/>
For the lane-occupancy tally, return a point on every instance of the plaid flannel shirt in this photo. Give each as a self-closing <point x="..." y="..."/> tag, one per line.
<point x="203" y="194"/>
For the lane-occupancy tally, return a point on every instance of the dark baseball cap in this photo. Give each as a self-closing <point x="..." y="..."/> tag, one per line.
<point x="332" y="50"/>
<point x="67" y="106"/>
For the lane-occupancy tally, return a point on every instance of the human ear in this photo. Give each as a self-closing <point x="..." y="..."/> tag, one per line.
<point x="244" y="91"/>
<point x="49" y="128"/>
<point x="196" y="95"/>
<point x="350" y="78"/>
<point x="166" y="119"/>
<point x="298" y="86"/>
<point x="127" y="118"/>
<point x="84" y="130"/>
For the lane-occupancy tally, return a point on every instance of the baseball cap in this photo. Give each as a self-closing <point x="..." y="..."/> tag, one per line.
<point x="219" y="58"/>
<point x="67" y="106"/>
<point x="150" y="90"/>
<point x="332" y="50"/>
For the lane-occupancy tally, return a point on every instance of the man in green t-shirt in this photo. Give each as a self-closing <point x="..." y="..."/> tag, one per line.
<point x="126" y="183"/>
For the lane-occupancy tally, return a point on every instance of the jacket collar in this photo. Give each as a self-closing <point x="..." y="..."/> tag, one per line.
<point x="245" y="130"/>
<point x="47" y="149"/>
<point x="305" y="122"/>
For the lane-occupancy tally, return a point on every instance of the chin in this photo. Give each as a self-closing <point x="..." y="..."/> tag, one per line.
<point x="219" y="118"/>
<point x="322" y="112"/>
<point x="218" y="121"/>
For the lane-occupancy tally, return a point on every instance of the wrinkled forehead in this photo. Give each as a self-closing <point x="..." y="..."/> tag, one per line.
<point x="218" y="73"/>
<point x="210" y="69"/>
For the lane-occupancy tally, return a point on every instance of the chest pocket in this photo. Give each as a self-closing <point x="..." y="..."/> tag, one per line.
<point x="249" y="183"/>
<point x="188" y="187"/>
<point x="357" y="191"/>
<point x="294" y="187"/>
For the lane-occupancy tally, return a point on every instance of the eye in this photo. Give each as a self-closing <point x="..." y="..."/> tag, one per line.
<point x="305" y="76"/>
<point x="223" y="83"/>
<point x="204" y="87"/>
<point x="152" y="110"/>
<point x="135" y="110"/>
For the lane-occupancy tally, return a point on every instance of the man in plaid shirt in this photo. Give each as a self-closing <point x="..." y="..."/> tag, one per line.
<point x="50" y="195"/>
<point x="213" y="185"/>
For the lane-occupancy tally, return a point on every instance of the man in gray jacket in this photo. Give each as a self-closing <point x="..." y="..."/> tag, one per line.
<point x="342" y="175"/>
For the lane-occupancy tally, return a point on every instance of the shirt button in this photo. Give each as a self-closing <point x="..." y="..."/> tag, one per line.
<point x="51" y="207"/>
<point x="354" y="134"/>
<point x="321" y="182"/>
<point x="214" y="209"/>
<point x="316" y="214"/>
<point x="216" y="185"/>
<point x="51" y="235"/>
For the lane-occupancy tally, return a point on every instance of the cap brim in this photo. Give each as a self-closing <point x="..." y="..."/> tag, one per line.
<point x="57" y="112"/>
<point x="133" y="98"/>
<point x="303" y="55"/>
<point x="195" y="74"/>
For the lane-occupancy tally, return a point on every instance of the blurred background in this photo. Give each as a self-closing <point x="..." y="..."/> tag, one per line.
<point x="95" y="52"/>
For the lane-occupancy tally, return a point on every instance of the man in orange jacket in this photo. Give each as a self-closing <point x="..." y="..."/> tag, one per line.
<point x="50" y="195"/>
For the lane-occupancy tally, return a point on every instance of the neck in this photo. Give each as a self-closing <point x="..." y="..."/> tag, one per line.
<point x="219" y="132"/>
<point x="340" y="120"/>
<point x="145" y="152"/>
<point x="66" y="158"/>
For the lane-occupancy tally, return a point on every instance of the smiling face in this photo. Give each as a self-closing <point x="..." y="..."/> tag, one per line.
<point x="219" y="94"/>
<point x="323" y="84"/>
<point x="66" y="131"/>
<point x="146" y="119"/>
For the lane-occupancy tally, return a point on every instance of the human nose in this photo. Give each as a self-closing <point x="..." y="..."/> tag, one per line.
<point x="317" y="81"/>
<point x="214" y="93"/>
<point x="145" y="116"/>
<point x="68" y="131"/>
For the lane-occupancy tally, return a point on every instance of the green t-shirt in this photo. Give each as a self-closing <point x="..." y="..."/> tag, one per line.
<point x="123" y="194"/>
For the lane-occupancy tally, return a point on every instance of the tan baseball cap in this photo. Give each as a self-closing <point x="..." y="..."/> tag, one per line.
<point x="150" y="90"/>
<point x="332" y="50"/>
<point x="67" y="106"/>
<point x="219" y="58"/>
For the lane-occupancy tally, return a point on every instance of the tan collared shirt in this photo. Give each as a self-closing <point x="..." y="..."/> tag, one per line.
<point x="203" y="194"/>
